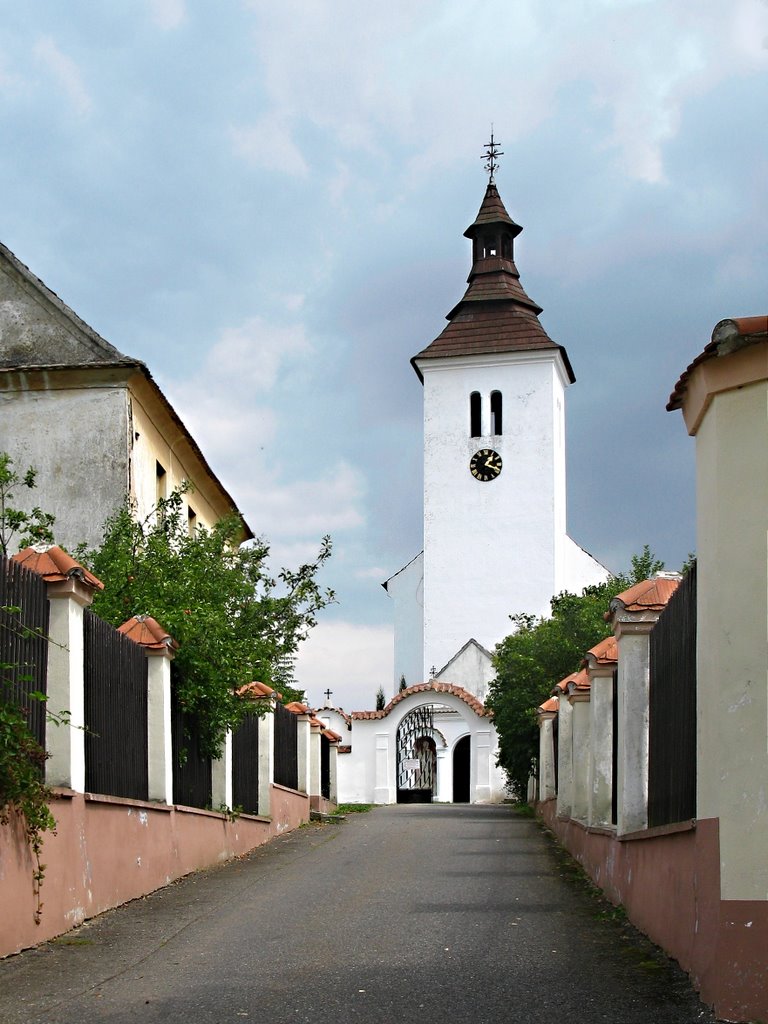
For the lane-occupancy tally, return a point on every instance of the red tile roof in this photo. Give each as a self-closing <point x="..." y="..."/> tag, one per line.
<point x="147" y="632"/>
<point x="55" y="565"/>
<point x="725" y="336"/>
<point x="434" y="687"/>
<point x="345" y="749"/>
<point x="331" y="735"/>
<point x="549" y="705"/>
<point x="650" y="595"/>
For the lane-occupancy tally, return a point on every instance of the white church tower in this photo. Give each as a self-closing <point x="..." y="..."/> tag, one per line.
<point x="495" y="540"/>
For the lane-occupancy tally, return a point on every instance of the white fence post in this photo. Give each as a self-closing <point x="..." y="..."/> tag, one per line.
<point x="70" y="590"/>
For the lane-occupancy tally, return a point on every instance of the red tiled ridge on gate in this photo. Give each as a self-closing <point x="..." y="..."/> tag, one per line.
<point x="297" y="708"/>
<point x="55" y="565"/>
<point x="649" y="596"/>
<point x="549" y="705"/>
<point x="147" y="632"/>
<point x="579" y="682"/>
<point x="726" y="332"/>
<point x="345" y="749"/>
<point x="457" y="691"/>
<point x="256" y="690"/>
<point x="331" y="735"/>
<point x="606" y="652"/>
<point x="562" y="686"/>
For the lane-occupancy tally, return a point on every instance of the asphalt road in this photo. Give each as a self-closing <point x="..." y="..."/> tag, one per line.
<point x="439" y="913"/>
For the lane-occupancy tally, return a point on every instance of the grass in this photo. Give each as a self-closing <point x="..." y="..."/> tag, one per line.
<point x="353" y="808"/>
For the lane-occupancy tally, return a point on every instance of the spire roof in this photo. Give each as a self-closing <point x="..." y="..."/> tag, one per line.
<point x="496" y="314"/>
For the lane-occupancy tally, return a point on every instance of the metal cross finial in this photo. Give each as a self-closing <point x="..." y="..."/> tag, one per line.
<point x="492" y="151"/>
<point x="328" y="694"/>
<point x="433" y="672"/>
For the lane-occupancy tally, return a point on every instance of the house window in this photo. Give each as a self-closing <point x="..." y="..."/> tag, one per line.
<point x="161" y="483"/>
<point x="191" y="521"/>
<point x="474" y="415"/>
<point x="496" y="412"/>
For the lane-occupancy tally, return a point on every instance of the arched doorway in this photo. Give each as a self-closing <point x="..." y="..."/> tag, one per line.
<point x="416" y="757"/>
<point x="461" y="771"/>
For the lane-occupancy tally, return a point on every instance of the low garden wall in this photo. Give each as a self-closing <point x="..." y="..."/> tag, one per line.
<point x="108" y="850"/>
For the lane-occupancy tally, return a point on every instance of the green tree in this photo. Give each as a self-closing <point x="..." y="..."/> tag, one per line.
<point x="27" y="527"/>
<point x="233" y="620"/>
<point x="23" y="790"/>
<point x="542" y="651"/>
<point x="380" y="699"/>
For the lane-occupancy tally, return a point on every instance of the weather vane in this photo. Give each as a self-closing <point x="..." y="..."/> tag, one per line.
<point x="492" y="151"/>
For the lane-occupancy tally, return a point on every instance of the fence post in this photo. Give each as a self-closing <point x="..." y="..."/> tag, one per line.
<point x="547" y="713"/>
<point x="579" y="699"/>
<point x="334" y="769"/>
<point x="601" y="661"/>
<point x="221" y="776"/>
<point x="267" y="756"/>
<point x="159" y="647"/>
<point x="564" y="757"/>
<point x="70" y="590"/>
<point x="635" y="613"/>
<point x="303" y="749"/>
<point x="313" y="789"/>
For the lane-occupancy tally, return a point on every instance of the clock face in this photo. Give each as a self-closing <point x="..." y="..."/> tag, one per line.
<point x="485" y="465"/>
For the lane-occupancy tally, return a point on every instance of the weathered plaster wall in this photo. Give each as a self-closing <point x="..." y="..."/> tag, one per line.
<point x="76" y="438"/>
<point x="33" y="330"/>
<point x="107" y="851"/>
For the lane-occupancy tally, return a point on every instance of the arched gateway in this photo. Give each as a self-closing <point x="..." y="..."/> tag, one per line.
<point x="433" y="742"/>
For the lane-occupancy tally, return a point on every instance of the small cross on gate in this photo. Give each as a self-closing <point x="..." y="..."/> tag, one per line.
<point x="328" y="694"/>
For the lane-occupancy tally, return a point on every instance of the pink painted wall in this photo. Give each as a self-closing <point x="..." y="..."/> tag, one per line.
<point x="669" y="885"/>
<point x="107" y="851"/>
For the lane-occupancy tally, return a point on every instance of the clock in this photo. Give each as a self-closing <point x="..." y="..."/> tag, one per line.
<point x="485" y="465"/>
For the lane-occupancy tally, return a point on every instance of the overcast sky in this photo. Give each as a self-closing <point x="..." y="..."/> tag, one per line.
<point x="265" y="203"/>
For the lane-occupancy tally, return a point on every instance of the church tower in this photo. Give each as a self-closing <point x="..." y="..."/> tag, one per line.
<point x="495" y="540"/>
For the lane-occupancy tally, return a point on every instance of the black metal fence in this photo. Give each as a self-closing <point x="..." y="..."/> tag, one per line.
<point x="325" y="767"/>
<point x="245" y="765"/>
<point x="286" y="748"/>
<point x="191" y="767"/>
<point x="672" y="709"/>
<point x="23" y="641"/>
<point x="115" y="670"/>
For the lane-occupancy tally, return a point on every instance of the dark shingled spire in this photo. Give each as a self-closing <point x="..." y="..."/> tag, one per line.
<point x="495" y="315"/>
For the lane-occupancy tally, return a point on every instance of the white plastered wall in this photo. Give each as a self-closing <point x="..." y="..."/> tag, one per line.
<point x="732" y="706"/>
<point x="491" y="549"/>
<point x="368" y="773"/>
<point x="406" y="588"/>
